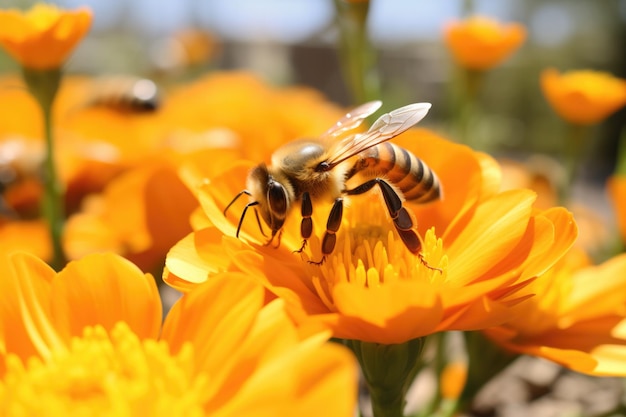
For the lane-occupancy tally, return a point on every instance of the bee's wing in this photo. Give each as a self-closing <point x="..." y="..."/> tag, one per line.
<point x="352" y="119"/>
<point x="388" y="126"/>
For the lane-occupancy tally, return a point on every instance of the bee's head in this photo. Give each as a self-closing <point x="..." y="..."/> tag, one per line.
<point x="273" y="195"/>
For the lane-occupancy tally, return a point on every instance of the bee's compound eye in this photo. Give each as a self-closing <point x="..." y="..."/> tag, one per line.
<point x="277" y="197"/>
<point x="322" y="167"/>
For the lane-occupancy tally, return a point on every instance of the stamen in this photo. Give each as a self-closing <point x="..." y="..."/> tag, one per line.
<point x="105" y="374"/>
<point x="366" y="260"/>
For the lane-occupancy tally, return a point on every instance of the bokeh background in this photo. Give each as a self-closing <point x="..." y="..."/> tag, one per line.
<point x="295" y="42"/>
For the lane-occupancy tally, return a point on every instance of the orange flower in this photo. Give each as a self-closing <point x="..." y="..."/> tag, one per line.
<point x="140" y="215"/>
<point x="486" y="244"/>
<point x="89" y="340"/>
<point x="452" y="380"/>
<point x="43" y="37"/>
<point x="583" y="97"/>
<point x="538" y="173"/>
<point x="123" y="160"/>
<point x="257" y="116"/>
<point x="481" y="43"/>
<point x="616" y="186"/>
<point x="189" y="47"/>
<point x="576" y="317"/>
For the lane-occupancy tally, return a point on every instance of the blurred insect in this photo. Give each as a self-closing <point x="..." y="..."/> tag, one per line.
<point x="124" y="93"/>
<point x="309" y="170"/>
<point x="20" y="177"/>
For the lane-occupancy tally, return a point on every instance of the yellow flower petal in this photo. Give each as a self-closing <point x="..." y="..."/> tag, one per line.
<point x="574" y="318"/>
<point x="25" y="305"/>
<point x="495" y="229"/>
<point x="611" y="360"/>
<point x="255" y="355"/>
<point x="134" y="217"/>
<point x="97" y="291"/>
<point x="311" y="386"/>
<point x="616" y="187"/>
<point x="194" y="258"/>
<point x="190" y="320"/>
<point x="387" y="314"/>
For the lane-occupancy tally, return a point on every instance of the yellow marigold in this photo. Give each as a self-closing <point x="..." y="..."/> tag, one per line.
<point x="481" y="43"/>
<point x="43" y="37"/>
<point x="576" y="317"/>
<point x="583" y="97"/>
<point x="486" y="245"/>
<point x="616" y="186"/>
<point x="89" y="340"/>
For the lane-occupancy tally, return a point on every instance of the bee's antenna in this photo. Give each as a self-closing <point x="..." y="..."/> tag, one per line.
<point x="246" y="192"/>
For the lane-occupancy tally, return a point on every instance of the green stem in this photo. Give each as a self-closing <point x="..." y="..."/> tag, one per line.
<point x="468" y="86"/>
<point x="467" y="7"/>
<point x="357" y="56"/>
<point x="388" y="370"/>
<point x="43" y="85"/>
<point x="620" y="168"/>
<point x="575" y="142"/>
<point x="439" y="364"/>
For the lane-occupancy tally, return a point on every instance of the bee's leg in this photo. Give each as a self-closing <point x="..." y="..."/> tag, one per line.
<point x="276" y="234"/>
<point x="399" y="214"/>
<point x="258" y="222"/>
<point x="332" y="226"/>
<point x="242" y="192"/>
<point x="306" y="226"/>
<point x="279" y="235"/>
<point x="243" y="215"/>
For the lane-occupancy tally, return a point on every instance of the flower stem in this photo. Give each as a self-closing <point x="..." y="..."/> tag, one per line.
<point x="43" y="85"/>
<point x="388" y="371"/>
<point x="358" y="58"/>
<point x="439" y="363"/>
<point x="620" y="168"/>
<point x="575" y="142"/>
<point x="468" y="86"/>
<point x="467" y="7"/>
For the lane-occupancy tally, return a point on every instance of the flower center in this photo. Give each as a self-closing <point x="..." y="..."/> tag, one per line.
<point x="369" y="252"/>
<point x="114" y="374"/>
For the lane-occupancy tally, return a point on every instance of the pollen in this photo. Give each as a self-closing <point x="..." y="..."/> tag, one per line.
<point x="370" y="253"/>
<point x="105" y="374"/>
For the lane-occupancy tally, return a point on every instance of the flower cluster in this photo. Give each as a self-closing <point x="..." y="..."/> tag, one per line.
<point x="89" y="338"/>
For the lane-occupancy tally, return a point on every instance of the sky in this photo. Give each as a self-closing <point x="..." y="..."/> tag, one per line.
<point x="281" y="20"/>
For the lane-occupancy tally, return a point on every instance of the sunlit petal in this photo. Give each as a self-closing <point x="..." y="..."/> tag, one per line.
<point x="103" y="289"/>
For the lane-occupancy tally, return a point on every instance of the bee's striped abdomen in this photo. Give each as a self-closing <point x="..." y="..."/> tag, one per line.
<point x="412" y="176"/>
<point x="125" y="93"/>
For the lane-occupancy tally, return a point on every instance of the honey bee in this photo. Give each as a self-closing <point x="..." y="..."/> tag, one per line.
<point x="124" y="93"/>
<point x="309" y="170"/>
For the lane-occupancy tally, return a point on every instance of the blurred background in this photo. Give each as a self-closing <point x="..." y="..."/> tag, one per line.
<point x="295" y="42"/>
